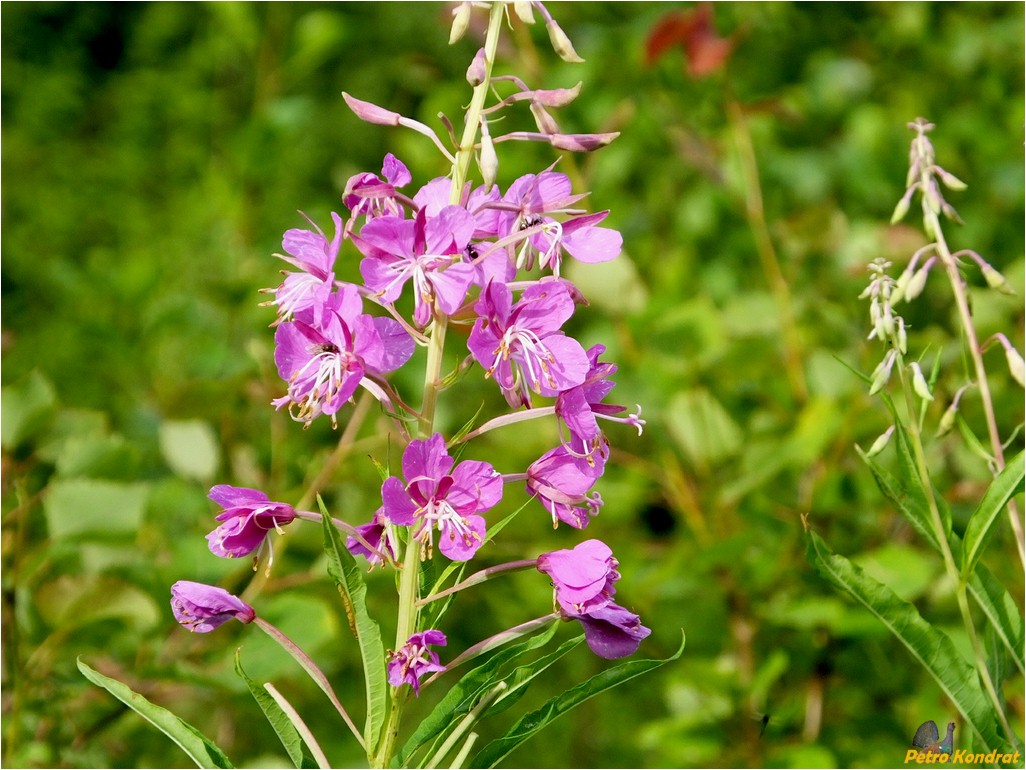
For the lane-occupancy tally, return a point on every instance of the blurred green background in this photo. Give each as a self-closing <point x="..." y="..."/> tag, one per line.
<point x="153" y="155"/>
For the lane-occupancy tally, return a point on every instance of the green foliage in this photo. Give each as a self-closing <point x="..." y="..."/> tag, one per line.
<point x="154" y="154"/>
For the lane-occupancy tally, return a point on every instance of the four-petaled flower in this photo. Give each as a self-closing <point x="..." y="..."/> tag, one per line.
<point x="611" y="631"/>
<point x="248" y="515"/>
<point x="202" y="608"/>
<point x="427" y="250"/>
<point x="377" y="534"/>
<point x="521" y="345"/>
<point x="369" y="196"/>
<point x="436" y="495"/>
<point x="583" y="576"/>
<point x="315" y="256"/>
<point x="411" y="661"/>
<point x="323" y="363"/>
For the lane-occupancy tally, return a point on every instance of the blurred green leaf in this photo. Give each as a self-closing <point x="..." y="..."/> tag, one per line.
<point x="200" y="749"/>
<point x="1002" y="612"/>
<point x="702" y="428"/>
<point x="27" y="407"/>
<point x="190" y="449"/>
<point x="91" y="508"/>
<point x="280" y="722"/>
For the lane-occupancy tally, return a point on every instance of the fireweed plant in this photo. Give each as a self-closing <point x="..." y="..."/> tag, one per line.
<point x="974" y="685"/>
<point x="471" y="254"/>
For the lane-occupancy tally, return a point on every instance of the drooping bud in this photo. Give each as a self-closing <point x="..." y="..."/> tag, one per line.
<point x="561" y="43"/>
<point x="372" y="113"/>
<point x="882" y="373"/>
<point x="881" y="441"/>
<point x="460" y="21"/>
<point x="947" y="420"/>
<point x="545" y="122"/>
<point x="1016" y="365"/>
<point x="951" y="181"/>
<point x="556" y="97"/>
<point x="995" y="279"/>
<point x="902" y="208"/>
<point x="581" y="142"/>
<point x="919" y="383"/>
<point x="476" y="71"/>
<point x="524" y="11"/>
<point x="902" y="336"/>
<point x="917" y="282"/>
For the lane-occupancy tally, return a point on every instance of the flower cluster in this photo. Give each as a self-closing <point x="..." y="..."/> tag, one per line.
<point x="462" y="254"/>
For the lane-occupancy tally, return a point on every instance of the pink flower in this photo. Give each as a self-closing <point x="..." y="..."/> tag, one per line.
<point x="411" y="661"/>
<point x="611" y="631"/>
<point x="368" y="195"/>
<point x="582" y="576"/>
<point x="249" y="514"/>
<point x="315" y="257"/>
<point x="202" y="608"/>
<point x="560" y="481"/>
<point x="378" y="535"/>
<point x="521" y="345"/>
<point x="436" y="495"/>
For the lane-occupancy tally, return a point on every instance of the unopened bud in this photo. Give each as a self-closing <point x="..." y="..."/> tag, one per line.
<point x="476" y="71"/>
<point x="950" y="213"/>
<point x="524" y="11"/>
<point x="901" y="285"/>
<point x="902" y="336"/>
<point x="951" y="181"/>
<point x="1016" y="365"/>
<point x="581" y="142"/>
<point x="917" y="282"/>
<point x="881" y="441"/>
<point x="489" y="161"/>
<point x="947" y="420"/>
<point x="545" y="122"/>
<point x="372" y="113"/>
<point x="902" y="208"/>
<point x="995" y="280"/>
<point x="561" y="43"/>
<point x="919" y="383"/>
<point x="882" y="373"/>
<point x="460" y="21"/>
<point x="556" y="97"/>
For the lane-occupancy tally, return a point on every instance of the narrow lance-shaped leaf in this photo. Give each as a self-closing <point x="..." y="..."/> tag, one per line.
<point x="347" y="576"/>
<point x="1002" y="612"/>
<point x="462" y="695"/>
<point x="933" y="649"/>
<point x="279" y="720"/>
<point x="529" y="724"/>
<point x="1003" y="488"/>
<point x="201" y="750"/>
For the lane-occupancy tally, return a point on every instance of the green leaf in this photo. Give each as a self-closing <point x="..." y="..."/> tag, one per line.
<point x="933" y="649"/>
<point x="199" y="747"/>
<point x="190" y="449"/>
<point x="91" y="508"/>
<point x="522" y="676"/>
<point x="467" y="691"/>
<point x="1003" y="488"/>
<point x="280" y="722"/>
<point x="531" y="723"/>
<point x="27" y="407"/>
<point x="351" y="586"/>
<point x="1002" y="612"/>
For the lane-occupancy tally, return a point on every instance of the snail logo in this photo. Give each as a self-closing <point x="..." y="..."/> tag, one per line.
<point x="928" y="739"/>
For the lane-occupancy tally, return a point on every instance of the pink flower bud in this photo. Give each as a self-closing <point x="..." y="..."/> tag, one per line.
<point x="561" y="43"/>
<point x="476" y="71"/>
<point x="371" y="113"/>
<point x="555" y="97"/>
<point x="582" y="142"/>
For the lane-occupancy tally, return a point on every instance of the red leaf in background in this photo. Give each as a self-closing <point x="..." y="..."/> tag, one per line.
<point x="704" y="50"/>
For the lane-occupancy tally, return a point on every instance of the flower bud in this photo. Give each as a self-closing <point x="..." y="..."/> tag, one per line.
<point x="476" y="71"/>
<point x="488" y="161"/>
<point x="902" y="336"/>
<point x="581" y="142"/>
<point x="919" y="383"/>
<point x="951" y="181"/>
<point x="902" y="208"/>
<point x="460" y="22"/>
<point x="882" y="373"/>
<point x="545" y="122"/>
<point x="917" y="282"/>
<point x="901" y="285"/>
<point x="561" y="43"/>
<point x="524" y="11"/>
<point x="995" y="280"/>
<point x="881" y="441"/>
<point x="947" y="420"/>
<point x="1016" y="365"/>
<point x="372" y="113"/>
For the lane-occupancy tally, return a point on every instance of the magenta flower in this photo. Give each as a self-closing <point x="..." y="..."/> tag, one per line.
<point x="248" y="515"/>
<point x="530" y="199"/>
<point x="378" y="536"/>
<point x="582" y="576"/>
<point x="368" y="195"/>
<point x="436" y="495"/>
<point x="579" y="408"/>
<point x="427" y="250"/>
<point x="611" y="631"/>
<point x="202" y="608"/>
<point x="560" y="481"/>
<point x="315" y="256"/>
<point x="324" y="363"/>
<point x="408" y="664"/>
<point x="521" y="345"/>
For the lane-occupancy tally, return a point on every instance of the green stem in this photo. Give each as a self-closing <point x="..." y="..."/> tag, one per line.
<point x="409" y="581"/>
<point x="950" y="567"/>
<point x="958" y="289"/>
